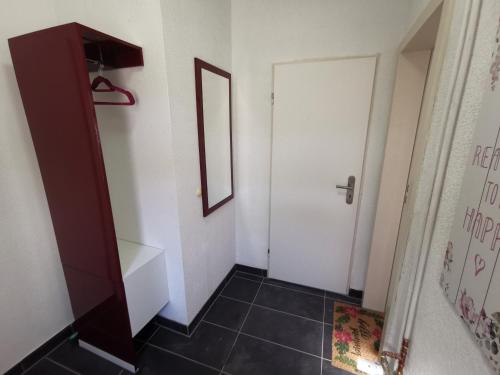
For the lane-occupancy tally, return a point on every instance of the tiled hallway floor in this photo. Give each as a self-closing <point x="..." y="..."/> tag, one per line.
<point x="256" y="326"/>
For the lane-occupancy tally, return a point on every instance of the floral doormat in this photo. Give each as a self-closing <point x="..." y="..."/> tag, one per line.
<point x="356" y="335"/>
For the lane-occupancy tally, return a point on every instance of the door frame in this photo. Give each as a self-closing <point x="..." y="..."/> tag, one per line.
<point x="393" y="189"/>
<point x="415" y="88"/>
<point x="362" y="177"/>
<point x="428" y="187"/>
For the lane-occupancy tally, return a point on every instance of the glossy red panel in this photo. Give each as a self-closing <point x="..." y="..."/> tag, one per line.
<point x="52" y="75"/>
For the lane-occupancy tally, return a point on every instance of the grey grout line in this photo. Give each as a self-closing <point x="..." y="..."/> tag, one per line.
<point x="325" y="297"/>
<point x="213" y="302"/>
<point x="261" y="339"/>
<point x="203" y="317"/>
<point x="251" y="274"/>
<point x="284" y="312"/>
<point x="244" y="278"/>
<point x="62" y="366"/>
<point x="282" y="345"/>
<point x="211" y="305"/>
<point x="154" y="333"/>
<point x="182" y="356"/>
<point x="141" y="349"/>
<point x="346" y="298"/>
<point x="46" y="355"/>
<point x="236" y="274"/>
<point x="203" y="320"/>
<point x="272" y="309"/>
<point x="241" y="327"/>
<point x="321" y="358"/>
<point x="218" y="325"/>
<point x="288" y="313"/>
<point x="323" y="334"/>
<point x="158" y="327"/>
<point x="235" y="299"/>
<point x="294" y="290"/>
<point x="268" y="341"/>
<point x="174" y="331"/>
<point x="239" y="331"/>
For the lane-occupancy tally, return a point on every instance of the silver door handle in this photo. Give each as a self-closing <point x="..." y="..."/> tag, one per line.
<point x="351" y="182"/>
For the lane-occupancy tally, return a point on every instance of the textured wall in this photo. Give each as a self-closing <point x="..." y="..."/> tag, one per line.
<point x="440" y="343"/>
<point x="416" y="7"/>
<point x="34" y="303"/>
<point x="197" y="28"/>
<point x="137" y="141"/>
<point x="269" y="31"/>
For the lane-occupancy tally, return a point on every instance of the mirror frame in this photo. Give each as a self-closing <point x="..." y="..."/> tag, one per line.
<point x="200" y="65"/>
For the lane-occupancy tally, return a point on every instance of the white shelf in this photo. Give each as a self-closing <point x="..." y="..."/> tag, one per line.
<point x="133" y="256"/>
<point x="144" y="273"/>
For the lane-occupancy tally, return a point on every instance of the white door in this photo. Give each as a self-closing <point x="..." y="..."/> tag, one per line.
<point x="320" y="120"/>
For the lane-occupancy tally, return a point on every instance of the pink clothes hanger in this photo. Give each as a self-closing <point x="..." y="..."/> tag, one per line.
<point x="111" y="88"/>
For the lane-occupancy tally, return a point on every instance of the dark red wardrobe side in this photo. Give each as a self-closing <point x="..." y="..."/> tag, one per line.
<point x="52" y="69"/>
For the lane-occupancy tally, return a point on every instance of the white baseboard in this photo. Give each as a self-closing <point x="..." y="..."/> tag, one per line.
<point x="101" y="353"/>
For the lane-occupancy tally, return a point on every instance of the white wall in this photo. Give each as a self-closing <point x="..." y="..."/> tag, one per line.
<point x="39" y="307"/>
<point x="34" y="303"/>
<point x="197" y="28"/>
<point x="416" y="7"/>
<point x="440" y="343"/>
<point x="269" y="31"/>
<point x="137" y="142"/>
<point x="152" y="151"/>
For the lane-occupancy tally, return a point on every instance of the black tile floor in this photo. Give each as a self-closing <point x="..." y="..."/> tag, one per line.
<point x="256" y="326"/>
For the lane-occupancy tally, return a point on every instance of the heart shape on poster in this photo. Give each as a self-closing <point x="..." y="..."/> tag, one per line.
<point x="479" y="263"/>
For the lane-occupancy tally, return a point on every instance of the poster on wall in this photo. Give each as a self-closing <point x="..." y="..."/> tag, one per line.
<point x="471" y="270"/>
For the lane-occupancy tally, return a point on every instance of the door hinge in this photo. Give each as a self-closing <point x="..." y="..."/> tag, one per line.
<point x="400" y="357"/>
<point x="272" y="98"/>
<point x="407" y="190"/>
<point x="268" y="251"/>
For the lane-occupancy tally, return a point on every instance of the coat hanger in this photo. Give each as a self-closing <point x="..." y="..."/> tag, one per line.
<point x="109" y="87"/>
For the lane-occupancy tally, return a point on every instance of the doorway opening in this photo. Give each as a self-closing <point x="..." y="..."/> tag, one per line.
<point x="390" y="282"/>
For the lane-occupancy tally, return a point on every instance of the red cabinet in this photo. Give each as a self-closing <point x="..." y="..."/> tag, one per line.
<point x="52" y="69"/>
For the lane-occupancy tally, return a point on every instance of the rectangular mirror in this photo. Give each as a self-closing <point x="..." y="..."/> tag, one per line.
<point x="213" y="103"/>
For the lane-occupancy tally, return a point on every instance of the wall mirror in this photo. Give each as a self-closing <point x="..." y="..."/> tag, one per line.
<point x="213" y="103"/>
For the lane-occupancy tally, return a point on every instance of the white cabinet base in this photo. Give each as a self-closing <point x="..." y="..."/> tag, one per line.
<point x="144" y="273"/>
<point x="109" y="357"/>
